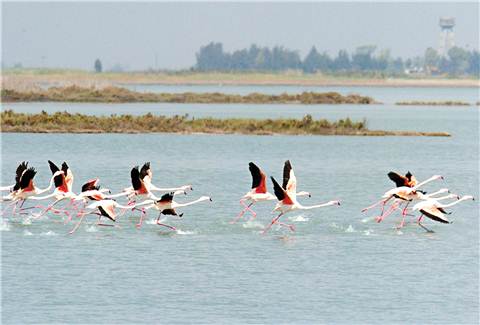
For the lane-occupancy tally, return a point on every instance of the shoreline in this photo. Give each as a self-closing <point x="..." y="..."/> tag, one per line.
<point x="33" y="78"/>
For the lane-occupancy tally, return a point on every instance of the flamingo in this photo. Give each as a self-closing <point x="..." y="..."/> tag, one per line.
<point x="16" y="186"/>
<point x="106" y="208"/>
<point x="63" y="179"/>
<point x="146" y="176"/>
<point x="405" y="193"/>
<point x="166" y="206"/>
<point x="259" y="193"/>
<point x="287" y="202"/>
<point x="435" y="210"/>
<point x="27" y="189"/>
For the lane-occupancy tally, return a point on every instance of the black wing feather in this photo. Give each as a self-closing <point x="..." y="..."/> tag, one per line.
<point x="279" y="192"/>
<point x="54" y="168"/>
<point x="18" y="174"/>
<point x="286" y="173"/>
<point x="135" y="175"/>
<point x="144" y="170"/>
<point x="399" y="180"/>
<point x="65" y="168"/>
<point x="256" y="174"/>
<point x="27" y="176"/>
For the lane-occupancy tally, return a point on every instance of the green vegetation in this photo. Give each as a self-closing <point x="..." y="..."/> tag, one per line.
<point x="364" y="60"/>
<point x="122" y="95"/>
<point x="433" y="103"/>
<point x="63" y="122"/>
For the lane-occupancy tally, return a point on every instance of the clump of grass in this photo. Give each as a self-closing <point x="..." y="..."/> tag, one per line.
<point x="433" y="103"/>
<point x="64" y="122"/>
<point x="122" y="95"/>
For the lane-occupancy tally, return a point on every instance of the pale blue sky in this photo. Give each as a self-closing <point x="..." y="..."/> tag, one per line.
<point x="74" y="34"/>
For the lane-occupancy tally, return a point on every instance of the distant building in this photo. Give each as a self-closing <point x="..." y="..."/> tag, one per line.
<point x="447" y="40"/>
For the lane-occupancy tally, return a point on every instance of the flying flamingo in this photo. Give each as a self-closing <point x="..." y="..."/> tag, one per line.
<point x="106" y="208"/>
<point x="259" y="193"/>
<point x="287" y="202"/>
<point x="435" y="210"/>
<point x="18" y="174"/>
<point x="27" y="189"/>
<point x="63" y="179"/>
<point x="146" y="176"/>
<point x="405" y="193"/>
<point x="166" y="206"/>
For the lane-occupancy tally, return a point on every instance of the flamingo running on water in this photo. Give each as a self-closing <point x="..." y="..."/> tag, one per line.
<point x="106" y="208"/>
<point x="166" y="206"/>
<point x="434" y="210"/>
<point x="402" y="192"/>
<point x="259" y="193"/>
<point x="287" y="202"/>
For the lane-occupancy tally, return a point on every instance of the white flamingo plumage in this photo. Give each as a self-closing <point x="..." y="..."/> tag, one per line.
<point x="434" y="210"/>
<point x="166" y="206"/>
<point x="288" y="202"/>
<point x="259" y="192"/>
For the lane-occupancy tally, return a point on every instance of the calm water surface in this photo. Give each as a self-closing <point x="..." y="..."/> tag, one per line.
<point x="338" y="267"/>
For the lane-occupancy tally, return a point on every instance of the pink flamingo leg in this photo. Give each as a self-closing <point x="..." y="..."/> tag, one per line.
<point x="9" y="206"/>
<point x="373" y="205"/>
<point x="291" y="227"/>
<point x="164" y="225"/>
<point x="392" y="208"/>
<point x="271" y="223"/>
<point x="243" y="211"/>
<point x="404" y="214"/>
<point x="139" y="224"/>
<point x="78" y="224"/>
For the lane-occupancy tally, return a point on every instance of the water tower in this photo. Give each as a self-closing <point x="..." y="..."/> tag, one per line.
<point x="446" y="35"/>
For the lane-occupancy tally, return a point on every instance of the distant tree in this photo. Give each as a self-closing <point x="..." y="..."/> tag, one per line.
<point x="362" y="59"/>
<point x="311" y="62"/>
<point x="342" y="61"/>
<point x="459" y="60"/>
<point x="98" y="66"/>
<point x="474" y="64"/>
<point x="431" y="60"/>
<point x="211" y="57"/>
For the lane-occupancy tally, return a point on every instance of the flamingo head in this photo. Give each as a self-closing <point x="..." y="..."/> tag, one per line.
<point x="468" y="197"/>
<point x="334" y="202"/>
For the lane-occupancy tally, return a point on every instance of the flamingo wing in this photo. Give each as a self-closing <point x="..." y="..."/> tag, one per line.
<point x="68" y="175"/>
<point x="90" y="185"/>
<point x="54" y="168"/>
<point x="106" y="210"/>
<point x="398" y="179"/>
<point x="18" y="174"/>
<point x="434" y="213"/>
<point x="280" y="193"/>
<point x="26" y="181"/>
<point x="171" y="212"/>
<point x="412" y="181"/>
<point x="259" y="179"/>
<point x="137" y="183"/>
<point x="289" y="179"/>
<point x="166" y="198"/>
<point x="146" y="172"/>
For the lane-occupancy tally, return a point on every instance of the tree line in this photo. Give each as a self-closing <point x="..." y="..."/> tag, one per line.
<point x="364" y="59"/>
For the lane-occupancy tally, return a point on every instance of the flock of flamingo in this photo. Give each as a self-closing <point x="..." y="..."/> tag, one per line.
<point x="93" y="200"/>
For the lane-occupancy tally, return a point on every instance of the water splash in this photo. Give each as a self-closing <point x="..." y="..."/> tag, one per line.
<point x="49" y="233"/>
<point x="186" y="232"/>
<point x="4" y="226"/>
<point x="27" y="233"/>
<point x="252" y="225"/>
<point x="27" y="221"/>
<point x="298" y="219"/>
<point x="350" y="229"/>
<point x="91" y="228"/>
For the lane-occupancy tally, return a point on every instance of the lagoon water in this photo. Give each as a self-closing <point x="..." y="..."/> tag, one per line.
<point x="338" y="267"/>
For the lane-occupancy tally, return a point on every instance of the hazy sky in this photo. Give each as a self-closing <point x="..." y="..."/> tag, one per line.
<point x="74" y="34"/>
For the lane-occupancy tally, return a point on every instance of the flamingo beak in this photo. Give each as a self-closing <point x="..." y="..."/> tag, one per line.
<point x="210" y="199"/>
